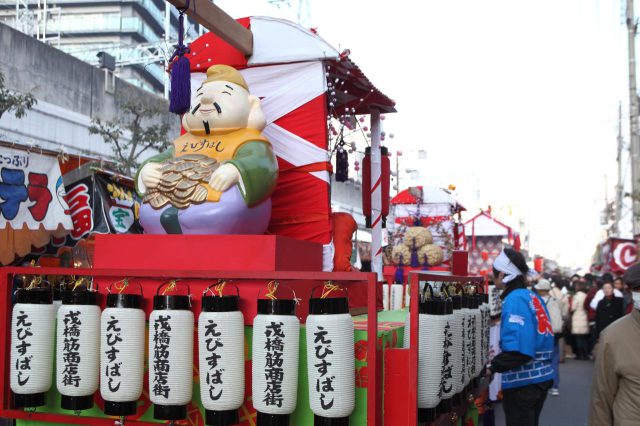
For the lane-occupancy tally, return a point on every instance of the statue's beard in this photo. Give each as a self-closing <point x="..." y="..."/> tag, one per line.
<point x="205" y="123"/>
<point x="207" y="130"/>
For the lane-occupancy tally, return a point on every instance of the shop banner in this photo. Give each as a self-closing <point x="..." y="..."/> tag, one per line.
<point x="619" y="254"/>
<point x="31" y="192"/>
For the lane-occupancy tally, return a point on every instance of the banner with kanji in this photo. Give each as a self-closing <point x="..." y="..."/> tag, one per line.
<point x="31" y="192"/>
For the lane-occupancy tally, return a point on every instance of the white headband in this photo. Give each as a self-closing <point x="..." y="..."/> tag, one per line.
<point x="503" y="264"/>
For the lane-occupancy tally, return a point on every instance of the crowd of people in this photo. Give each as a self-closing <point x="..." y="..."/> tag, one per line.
<point x="548" y="318"/>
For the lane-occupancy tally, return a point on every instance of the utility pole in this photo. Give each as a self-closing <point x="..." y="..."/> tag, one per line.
<point x="634" y="139"/>
<point x="615" y="229"/>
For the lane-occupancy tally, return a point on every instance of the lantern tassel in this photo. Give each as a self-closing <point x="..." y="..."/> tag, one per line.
<point x="399" y="276"/>
<point x="180" y="98"/>
<point x="414" y="255"/>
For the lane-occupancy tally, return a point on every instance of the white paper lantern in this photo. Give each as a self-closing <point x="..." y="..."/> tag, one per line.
<point x="447" y="386"/>
<point x="397" y="294"/>
<point x="385" y="297"/>
<point x="276" y="338"/>
<point x="171" y="327"/>
<point x="122" y="336"/>
<point x="32" y="332"/>
<point x="78" y="349"/>
<point x="472" y="328"/>
<point x="486" y="323"/>
<point x="221" y="355"/>
<point x="468" y="342"/>
<point x="432" y="338"/>
<point x="330" y="360"/>
<point x="458" y="349"/>
<point x="478" y="336"/>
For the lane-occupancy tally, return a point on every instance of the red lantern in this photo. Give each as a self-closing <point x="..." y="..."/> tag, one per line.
<point x="385" y="184"/>
<point x="538" y="264"/>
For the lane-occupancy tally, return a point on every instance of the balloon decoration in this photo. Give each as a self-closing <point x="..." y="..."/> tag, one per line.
<point x="330" y="358"/>
<point x="384" y="184"/>
<point x="32" y="332"/>
<point x="122" y="336"/>
<point x="276" y="338"/>
<point x="221" y="355"/>
<point x="78" y="349"/>
<point x="170" y="353"/>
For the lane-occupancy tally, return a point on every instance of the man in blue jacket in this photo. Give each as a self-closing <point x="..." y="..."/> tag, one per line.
<point x="526" y="343"/>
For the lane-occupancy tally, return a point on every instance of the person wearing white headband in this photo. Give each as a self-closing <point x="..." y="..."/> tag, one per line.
<point x="526" y="343"/>
<point x="615" y="389"/>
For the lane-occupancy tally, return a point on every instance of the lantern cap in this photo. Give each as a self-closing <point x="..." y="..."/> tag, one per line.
<point x="172" y="302"/>
<point x="27" y="400"/>
<point x="221" y="418"/>
<point x="436" y="307"/>
<point x="330" y="421"/>
<point x="457" y="302"/>
<point x="170" y="412"/>
<point x="76" y="403"/>
<point x="328" y="306"/>
<point x="220" y="304"/>
<point x="36" y="296"/>
<point x="133" y="301"/>
<point x="427" y="415"/>
<point x="276" y="307"/>
<point x="120" y="409"/>
<point x="445" y="406"/>
<point x="57" y="294"/>
<point x="485" y="298"/>
<point x="79" y="297"/>
<point x="265" y="419"/>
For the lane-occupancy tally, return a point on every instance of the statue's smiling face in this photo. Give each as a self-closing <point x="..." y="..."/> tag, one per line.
<point x="219" y="105"/>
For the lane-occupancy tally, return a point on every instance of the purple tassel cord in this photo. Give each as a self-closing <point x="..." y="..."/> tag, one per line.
<point x="180" y="97"/>
<point x="399" y="276"/>
<point x="414" y="255"/>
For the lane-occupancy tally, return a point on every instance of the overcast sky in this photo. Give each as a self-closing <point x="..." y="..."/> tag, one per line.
<point x="514" y="101"/>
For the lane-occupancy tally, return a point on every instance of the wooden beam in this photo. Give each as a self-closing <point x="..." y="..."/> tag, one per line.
<point x="218" y="22"/>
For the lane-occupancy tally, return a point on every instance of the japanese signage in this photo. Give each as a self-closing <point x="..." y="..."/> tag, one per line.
<point x="446" y="375"/>
<point x="324" y="382"/>
<point x="274" y="372"/>
<point x="71" y="349"/>
<point x="161" y="367"/>
<point x="214" y="376"/>
<point x="112" y="369"/>
<point x="31" y="191"/>
<point x="471" y="344"/>
<point x="24" y="354"/>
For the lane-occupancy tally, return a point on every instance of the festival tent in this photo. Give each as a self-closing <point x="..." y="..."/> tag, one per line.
<point x="485" y="237"/>
<point x="303" y="82"/>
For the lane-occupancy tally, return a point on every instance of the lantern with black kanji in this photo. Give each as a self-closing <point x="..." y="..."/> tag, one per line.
<point x="122" y="336"/>
<point x="385" y="177"/>
<point x="458" y="349"/>
<point x="486" y="328"/>
<point x="479" y="333"/>
<point x="276" y="338"/>
<point x="468" y="340"/>
<point x="447" y="390"/>
<point x="32" y="331"/>
<point x="78" y="349"/>
<point x="330" y="360"/>
<point x="221" y="355"/>
<point x="171" y="328"/>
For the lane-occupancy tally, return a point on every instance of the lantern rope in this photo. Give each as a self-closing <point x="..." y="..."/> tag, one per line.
<point x="171" y="287"/>
<point x="328" y="288"/>
<point x="121" y="285"/>
<point x="272" y="288"/>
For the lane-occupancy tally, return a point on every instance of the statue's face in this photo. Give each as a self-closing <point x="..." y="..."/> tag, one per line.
<point x="219" y="105"/>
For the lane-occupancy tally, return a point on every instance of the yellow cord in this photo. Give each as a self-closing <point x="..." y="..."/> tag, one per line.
<point x="272" y="287"/>
<point x="121" y="285"/>
<point x="77" y="283"/>
<point x="170" y="287"/>
<point x="220" y="287"/>
<point x="328" y="288"/>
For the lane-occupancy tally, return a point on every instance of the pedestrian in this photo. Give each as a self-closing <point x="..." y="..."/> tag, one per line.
<point x="609" y="309"/>
<point x="559" y="291"/>
<point x="526" y="343"/>
<point x="623" y="288"/>
<point x="615" y="388"/>
<point x="580" y="322"/>
<point x="543" y="288"/>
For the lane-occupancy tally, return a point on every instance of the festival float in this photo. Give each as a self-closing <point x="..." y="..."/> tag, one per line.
<point x="230" y="308"/>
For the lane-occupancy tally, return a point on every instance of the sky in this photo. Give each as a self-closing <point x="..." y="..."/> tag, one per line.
<point x="514" y="101"/>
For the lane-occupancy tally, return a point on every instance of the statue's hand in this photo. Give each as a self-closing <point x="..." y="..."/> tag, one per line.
<point x="151" y="174"/>
<point x="224" y="178"/>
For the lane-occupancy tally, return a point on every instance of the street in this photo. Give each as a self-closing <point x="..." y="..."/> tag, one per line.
<point x="571" y="407"/>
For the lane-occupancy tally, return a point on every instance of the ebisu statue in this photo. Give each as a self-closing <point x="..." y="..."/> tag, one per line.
<point x="218" y="177"/>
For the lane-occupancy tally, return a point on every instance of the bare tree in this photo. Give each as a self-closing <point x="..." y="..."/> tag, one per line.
<point x="16" y="102"/>
<point x="148" y="132"/>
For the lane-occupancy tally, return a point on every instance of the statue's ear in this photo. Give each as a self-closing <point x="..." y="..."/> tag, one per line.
<point x="256" y="119"/>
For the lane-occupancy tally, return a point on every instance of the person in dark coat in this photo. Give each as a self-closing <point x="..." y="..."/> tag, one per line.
<point x="609" y="309"/>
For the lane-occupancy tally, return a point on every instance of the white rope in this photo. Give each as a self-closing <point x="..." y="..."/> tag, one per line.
<point x="275" y="383"/>
<point x="221" y="355"/>
<point x="122" y="336"/>
<point x="331" y="364"/>
<point x="397" y="293"/>
<point x="77" y="349"/>
<point x="171" y="356"/>
<point x="32" y="332"/>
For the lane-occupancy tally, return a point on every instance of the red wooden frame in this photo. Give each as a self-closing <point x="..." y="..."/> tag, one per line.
<point x="401" y="365"/>
<point x="351" y="279"/>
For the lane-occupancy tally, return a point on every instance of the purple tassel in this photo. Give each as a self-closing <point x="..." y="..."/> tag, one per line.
<point x="425" y="264"/>
<point x="414" y="255"/>
<point x="180" y="99"/>
<point x="399" y="276"/>
<point x="342" y="165"/>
